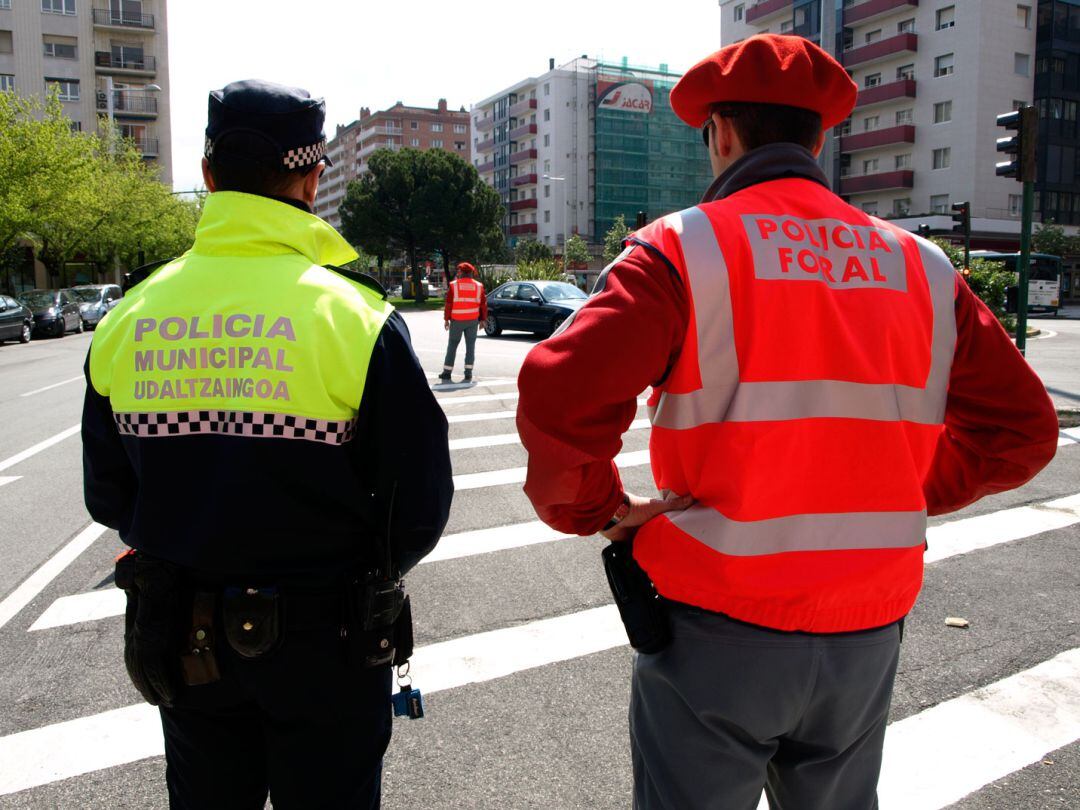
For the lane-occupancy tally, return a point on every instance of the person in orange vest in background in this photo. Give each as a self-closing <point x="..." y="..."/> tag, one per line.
<point x="465" y="309"/>
<point x="822" y="381"/>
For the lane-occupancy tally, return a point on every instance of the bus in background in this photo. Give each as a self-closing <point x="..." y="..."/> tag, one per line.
<point x="1044" y="277"/>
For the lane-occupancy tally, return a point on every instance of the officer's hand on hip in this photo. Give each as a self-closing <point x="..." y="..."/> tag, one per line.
<point x="446" y="325"/>
<point x="643" y="510"/>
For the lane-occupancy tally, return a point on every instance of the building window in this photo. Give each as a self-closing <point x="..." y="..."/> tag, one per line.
<point x="870" y="208"/>
<point x="414" y="142"/>
<point x="414" y="125"/>
<point x="845" y="128"/>
<point x="906" y="26"/>
<point x="1021" y="64"/>
<point x="436" y="127"/>
<point x="939" y="203"/>
<point x="872" y="80"/>
<point x="942" y="112"/>
<point x="547" y="215"/>
<point x="58" y="6"/>
<point x="547" y="167"/>
<point x="905" y="117"/>
<point x="437" y="143"/>
<point x="903" y="161"/>
<point x="7" y="82"/>
<point x="905" y="72"/>
<point x="459" y="128"/>
<point x="870" y="166"/>
<point x="739" y="10"/>
<point x="459" y="145"/>
<point x="1018" y="104"/>
<point x="1023" y="16"/>
<point x="873" y="36"/>
<point x="943" y="65"/>
<point x="901" y="207"/>
<point x="5" y="3"/>
<point x="1016" y="202"/>
<point x="946" y="17"/>
<point x="60" y="47"/>
<point x="7" y="42"/>
<point x="942" y="157"/>
<point x="547" y="191"/>
<point x="67" y="89"/>
<point x="871" y="123"/>
<point x="547" y="140"/>
<point x="76" y="126"/>
<point x="547" y="88"/>
<point x="786" y="26"/>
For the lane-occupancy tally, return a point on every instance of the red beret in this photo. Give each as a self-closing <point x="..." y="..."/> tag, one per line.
<point x="767" y="69"/>
<point x="465" y="267"/>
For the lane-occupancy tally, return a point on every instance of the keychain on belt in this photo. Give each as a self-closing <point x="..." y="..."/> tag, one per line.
<point x="408" y="702"/>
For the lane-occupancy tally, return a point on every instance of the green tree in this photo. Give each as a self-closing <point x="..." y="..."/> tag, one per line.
<point x="542" y="270"/>
<point x="988" y="280"/>
<point x="576" y="251"/>
<point x="529" y="250"/>
<point x="1050" y="238"/>
<point x="614" y="238"/>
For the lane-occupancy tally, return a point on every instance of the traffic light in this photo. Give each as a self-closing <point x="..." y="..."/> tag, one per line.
<point x="642" y="220"/>
<point x="1021" y="146"/>
<point x="962" y="217"/>
<point x="923" y="231"/>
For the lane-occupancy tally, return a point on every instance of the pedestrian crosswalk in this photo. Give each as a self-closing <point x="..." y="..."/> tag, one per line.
<point x="535" y="607"/>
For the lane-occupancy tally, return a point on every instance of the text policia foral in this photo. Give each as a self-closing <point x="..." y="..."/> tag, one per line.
<point x="219" y="328"/>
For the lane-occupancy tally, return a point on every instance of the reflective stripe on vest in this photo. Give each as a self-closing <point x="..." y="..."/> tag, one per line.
<point x="466" y="303"/>
<point x="809" y="513"/>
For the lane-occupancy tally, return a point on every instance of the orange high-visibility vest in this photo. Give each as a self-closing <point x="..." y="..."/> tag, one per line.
<point x="803" y="411"/>
<point x="466" y="303"/>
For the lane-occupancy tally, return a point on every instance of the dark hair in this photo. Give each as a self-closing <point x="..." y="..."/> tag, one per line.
<point x="762" y="124"/>
<point x="247" y="162"/>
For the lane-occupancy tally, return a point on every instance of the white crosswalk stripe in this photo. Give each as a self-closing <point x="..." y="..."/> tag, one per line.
<point x="956" y="747"/>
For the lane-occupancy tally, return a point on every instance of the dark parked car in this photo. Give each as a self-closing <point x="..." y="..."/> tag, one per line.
<point x="532" y="306"/>
<point x="56" y="312"/>
<point x="95" y="300"/>
<point x="16" y="321"/>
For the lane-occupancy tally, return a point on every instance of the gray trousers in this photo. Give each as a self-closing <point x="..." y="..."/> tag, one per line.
<point x="457" y="329"/>
<point x="730" y="708"/>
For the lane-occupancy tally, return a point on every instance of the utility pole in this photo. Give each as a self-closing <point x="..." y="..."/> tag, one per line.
<point x="1021" y="149"/>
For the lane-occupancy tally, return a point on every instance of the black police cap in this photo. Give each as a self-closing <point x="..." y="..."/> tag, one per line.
<point x="287" y="118"/>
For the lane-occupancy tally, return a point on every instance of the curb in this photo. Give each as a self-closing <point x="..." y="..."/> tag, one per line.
<point x="1068" y="417"/>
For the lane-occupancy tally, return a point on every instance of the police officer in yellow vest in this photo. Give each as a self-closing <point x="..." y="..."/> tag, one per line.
<point x="239" y="434"/>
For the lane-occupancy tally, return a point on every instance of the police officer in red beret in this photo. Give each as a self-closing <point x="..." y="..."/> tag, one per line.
<point x="822" y="382"/>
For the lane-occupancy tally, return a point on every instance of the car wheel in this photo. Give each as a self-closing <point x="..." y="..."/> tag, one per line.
<point x="491" y="326"/>
<point x="79" y="326"/>
<point x="24" y="337"/>
<point x="61" y="328"/>
<point x="556" y="322"/>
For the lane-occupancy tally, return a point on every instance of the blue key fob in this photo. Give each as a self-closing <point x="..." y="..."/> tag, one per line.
<point x="408" y="702"/>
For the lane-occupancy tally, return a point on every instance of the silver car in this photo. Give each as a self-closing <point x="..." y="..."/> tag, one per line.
<point x="95" y="300"/>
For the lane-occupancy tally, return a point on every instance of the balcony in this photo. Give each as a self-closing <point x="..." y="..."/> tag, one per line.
<point x="523" y="154"/>
<point x="527" y="129"/>
<point x="374" y="146"/>
<point x="131" y="105"/>
<point x="483" y="168"/>
<point x="522" y="205"/>
<point x="882" y="181"/>
<point x="871" y="96"/>
<point x="886" y="136"/>
<point x="523" y="180"/>
<point x="484" y="124"/>
<point x="882" y="49"/>
<point x="765" y="10"/>
<point x="379" y="129"/>
<point x="109" y="18"/>
<point x="148" y="147"/>
<point x="106" y="62"/>
<point x="522" y="106"/>
<point x="486" y="145"/>
<point x="872" y="9"/>
<point x="518" y="230"/>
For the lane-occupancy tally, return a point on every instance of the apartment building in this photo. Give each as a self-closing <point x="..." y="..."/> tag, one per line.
<point x="87" y="50"/>
<point x="574" y="147"/>
<point x="395" y="128"/>
<point x="933" y="76"/>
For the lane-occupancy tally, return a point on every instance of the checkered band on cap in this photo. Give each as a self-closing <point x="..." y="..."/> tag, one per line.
<point x="208" y="148"/>
<point x="305" y="155"/>
<point x="250" y="424"/>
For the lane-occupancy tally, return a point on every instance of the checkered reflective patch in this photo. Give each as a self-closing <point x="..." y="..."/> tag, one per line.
<point x="235" y="423"/>
<point x="208" y="148"/>
<point x="305" y="155"/>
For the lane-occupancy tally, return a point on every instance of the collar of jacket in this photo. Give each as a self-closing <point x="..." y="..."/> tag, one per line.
<point x="237" y="224"/>
<point x="774" y="161"/>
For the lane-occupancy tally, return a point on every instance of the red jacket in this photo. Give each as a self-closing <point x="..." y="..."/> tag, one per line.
<point x="1000" y="427"/>
<point x="448" y="307"/>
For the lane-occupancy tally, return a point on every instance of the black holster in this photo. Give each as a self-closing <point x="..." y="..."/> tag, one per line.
<point x="381" y="613"/>
<point x="641" y="609"/>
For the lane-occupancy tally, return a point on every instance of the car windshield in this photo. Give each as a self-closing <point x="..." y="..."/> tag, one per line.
<point x="560" y="291"/>
<point x="38" y="300"/>
<point x="89" y="295"/>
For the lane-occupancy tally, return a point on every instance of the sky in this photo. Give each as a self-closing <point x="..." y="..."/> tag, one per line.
<point x="358" y="53"/>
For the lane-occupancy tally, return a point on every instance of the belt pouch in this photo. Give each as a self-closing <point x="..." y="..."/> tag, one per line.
<point x="403" y="634"/>
<point x="198" y="662"/>
<point x="642" y="612"/>
<point x="252" y="620"/>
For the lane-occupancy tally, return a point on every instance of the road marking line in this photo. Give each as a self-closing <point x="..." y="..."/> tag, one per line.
<point x="1070" y="436"/>
<point x="514" y="438"/>
<point x="37" y="448"/>
<point x="453" y="387"/>
<point x="444" y="401"/>
<point x="37" y="581"/>
<point x="500" y="538"/>
<point x="54" y="385"/>
<point x="7" y="479"/>
<point x="959" y="746"/>
<point x="83" y="607"/>
<point x="483" y="417"/>
<point x="516" y="475"/>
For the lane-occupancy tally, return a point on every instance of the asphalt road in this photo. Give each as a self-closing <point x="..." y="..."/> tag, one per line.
<point x="525" y="673"/>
